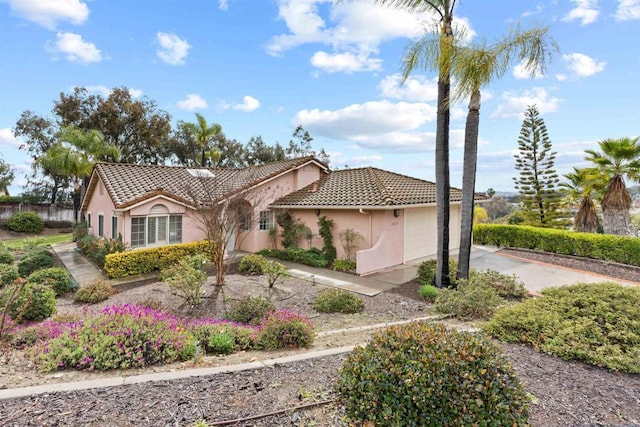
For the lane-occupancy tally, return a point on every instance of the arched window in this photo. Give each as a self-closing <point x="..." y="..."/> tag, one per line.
<point x="157" y="229"/>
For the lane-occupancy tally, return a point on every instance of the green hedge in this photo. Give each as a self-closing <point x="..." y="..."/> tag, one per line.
<point x="607" y="247"/>
<point x="307" y="257"/>
<point x="139" y="261"/>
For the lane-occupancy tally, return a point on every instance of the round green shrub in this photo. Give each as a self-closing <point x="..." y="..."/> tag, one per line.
<point x="221" y="343"/>
<point x="252" y="264"/>
<point x="249" y="310"/>
<point x="469" y="301"/>
<point x="57" y="278"/>
<point x="284" y="329"/>
<point x="6" y="257"/>
<point x="94" y="292"/>
<point x="35" y="260"/>
<point x="427" y="272"/>
<point x="507" y="285"/>
<point x="25" y="222"/>
<point x="427" y="375"/>
<point x="242" y="335"/>
<point x="428" y="292"/>
<point x="34" y="302"/>
<point x="337" y="301"/>
<point x="8" y="273"/>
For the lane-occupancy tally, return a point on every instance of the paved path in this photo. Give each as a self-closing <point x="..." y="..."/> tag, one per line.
<point x="81" y="269"/>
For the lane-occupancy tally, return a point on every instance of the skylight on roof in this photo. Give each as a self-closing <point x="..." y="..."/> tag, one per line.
<point x="201" y="173"/>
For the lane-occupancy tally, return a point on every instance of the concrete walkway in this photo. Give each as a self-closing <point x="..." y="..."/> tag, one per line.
<point x="79" y="267"/>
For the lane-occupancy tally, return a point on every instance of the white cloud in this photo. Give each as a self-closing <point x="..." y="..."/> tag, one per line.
<point x="354" y="30"/>
<point x="173" y="50"/>
<point x="582" y="65"/>
<point x="75" y="49"/>
<point x="135" y="93"/>
<point x="521" y="71"/>
<point x="586" y="11"/>
<point x="223" y="4"/>
<point x="249" y="103"/>
<point x="515" y="104"/>
<point x="106" y="91"/>
<point x="193" y="101"/>
<point x="561" y="77"/>
<point x="539" y="8"/>
<point x="345" y="62"/>
<point x="8" y="139"/>
<point x="628" y="10"/>
<point x="415" y="88"/>
<point x="48" y="13"/>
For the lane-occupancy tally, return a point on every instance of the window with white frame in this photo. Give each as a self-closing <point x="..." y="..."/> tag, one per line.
<point x="157" y="229"/>
<point x="266" y="220"/>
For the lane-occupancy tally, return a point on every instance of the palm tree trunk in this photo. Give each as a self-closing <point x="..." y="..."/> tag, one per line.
<point x="443" y="186"/>
<point x="586" y="220"/>
<point x="615" y="208"/>
<point x="468" y="185"/>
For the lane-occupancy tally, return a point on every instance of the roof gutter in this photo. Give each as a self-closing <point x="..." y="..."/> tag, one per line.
<point x="359" y="207"/>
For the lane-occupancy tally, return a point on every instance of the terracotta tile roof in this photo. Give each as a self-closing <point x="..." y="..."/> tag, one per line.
<point x="129" y="184"/>
<point x="364" y="187"/>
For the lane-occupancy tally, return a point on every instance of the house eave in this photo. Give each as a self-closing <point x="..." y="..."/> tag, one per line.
<point x="367" y="207"/>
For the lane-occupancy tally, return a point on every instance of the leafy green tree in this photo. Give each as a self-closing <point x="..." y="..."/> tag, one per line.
<point x="435" y="56"/>
<point x="538" y="181"/>
<point x="617" y="158"/>
<point x="74" y="155"/>
<point x="39" y="135"/>
<point x="203" y="133"/>
<point x="6" y="175"/>
<point x="258" y="152"/>
<point x="136" y="126"/>
<point x="580" y="187"/>
<point x="497" y="207"/>
<point x="474" y="67"/>
<point x="300" y="146"/>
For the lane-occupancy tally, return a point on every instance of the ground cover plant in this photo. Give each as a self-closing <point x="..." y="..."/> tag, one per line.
<point x="135" y="336"/>
<point x="597" y="324"/>
<point x="337" y="301"/>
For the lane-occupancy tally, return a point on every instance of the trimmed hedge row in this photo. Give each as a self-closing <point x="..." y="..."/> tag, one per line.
<point x="139" y="261"/>
<point x="312" y="257"/>
<point x="607" y="247"/>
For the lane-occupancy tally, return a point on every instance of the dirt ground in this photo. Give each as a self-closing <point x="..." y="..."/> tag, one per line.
<point x="301" y="393"/>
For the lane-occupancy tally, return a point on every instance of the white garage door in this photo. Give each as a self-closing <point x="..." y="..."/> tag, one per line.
<point x="419" y="233"/>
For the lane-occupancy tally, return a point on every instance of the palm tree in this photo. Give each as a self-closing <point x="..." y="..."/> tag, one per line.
<point x="74" y="155"/>
<point x="580" y="186"/>
<point x="438" y="58"/>
<point x="474" y="67"/>
<point x="619" y="157"/>
<point x="203" y="133"/>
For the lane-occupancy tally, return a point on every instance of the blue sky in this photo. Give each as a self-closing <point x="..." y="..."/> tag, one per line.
<point x="263" y="67"/>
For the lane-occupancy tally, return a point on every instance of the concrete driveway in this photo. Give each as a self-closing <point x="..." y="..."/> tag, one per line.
<point x="535" y="275"/>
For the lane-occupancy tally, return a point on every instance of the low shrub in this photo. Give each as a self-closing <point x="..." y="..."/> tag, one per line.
<point x="253" y="264"/>
<point x="250" y="310"/>
<point x="6" y="257"/>
<point x="346" y="265"/>
<point x="301" y="256"/>
<point x="469" y="300"/>
<point x="507" y="285"/>
<point x="34" y="302"/>
<point x="186" y="278"/>
<point x="427" y="272"/>
<point x="56" y="278"/>
<point x="428" y="375"/>
<point x="204" y="329"/>
<point x="274" y="271"/>
<point x="597" y="324"/>
<point x="284" y="329"/>
<point x="8" y="274"/>
<point x="34" y="260"/>
<point x="119" y="337"/>
<point x="94" y="292"/>
<point x="123" y="264"/>
<point x="58" y="224"/>
<point x="428" y="292"/>
<point x="221" y="343"/>
<point x="97" y="249"/>
<point x="25" y="222"/>
<point x="337" y="301"/>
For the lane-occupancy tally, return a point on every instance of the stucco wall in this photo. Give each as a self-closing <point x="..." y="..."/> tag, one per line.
<point x="101" y="204"/>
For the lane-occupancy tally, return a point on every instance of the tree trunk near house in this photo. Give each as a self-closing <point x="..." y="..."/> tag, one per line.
<point x="468" y="185"/>
<point x="615" y="208"/>
<point x="443" y="187"/>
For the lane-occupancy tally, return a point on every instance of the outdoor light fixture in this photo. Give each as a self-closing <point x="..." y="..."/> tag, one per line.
<point x="396" y="213"/>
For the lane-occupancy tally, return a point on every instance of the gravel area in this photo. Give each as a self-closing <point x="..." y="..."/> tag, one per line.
<point x="302" y="394"/>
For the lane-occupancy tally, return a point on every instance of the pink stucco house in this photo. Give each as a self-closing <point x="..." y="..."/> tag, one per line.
<point x="156" y="205"/>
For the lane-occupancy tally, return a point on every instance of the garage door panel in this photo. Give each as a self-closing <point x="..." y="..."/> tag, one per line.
<point x="420" y="233"/>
